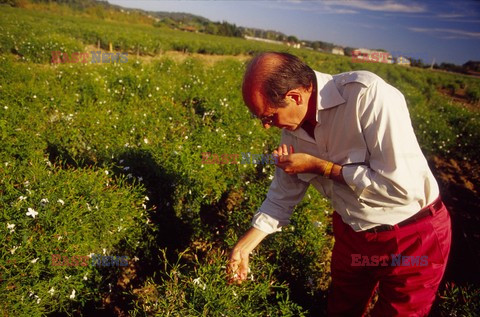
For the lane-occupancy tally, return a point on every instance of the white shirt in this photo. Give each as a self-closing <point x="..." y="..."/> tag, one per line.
<point x="364" y="125"/>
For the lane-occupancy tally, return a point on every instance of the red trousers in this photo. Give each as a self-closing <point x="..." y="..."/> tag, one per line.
<point x="406" y="264"/>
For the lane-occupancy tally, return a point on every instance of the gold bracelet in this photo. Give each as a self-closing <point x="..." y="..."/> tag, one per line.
<point x="328" y="170"/>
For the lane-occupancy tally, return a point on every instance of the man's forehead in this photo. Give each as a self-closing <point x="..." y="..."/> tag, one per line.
<point x="255" y="101"/>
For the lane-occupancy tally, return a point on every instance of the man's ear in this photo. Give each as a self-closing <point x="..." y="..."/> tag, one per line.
<point x="295" y="95"/>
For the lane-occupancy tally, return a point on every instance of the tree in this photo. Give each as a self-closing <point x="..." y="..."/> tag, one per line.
<point x="292" y="38"/>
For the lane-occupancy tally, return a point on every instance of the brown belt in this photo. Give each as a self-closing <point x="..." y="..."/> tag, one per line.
<point x="424" y="212"/>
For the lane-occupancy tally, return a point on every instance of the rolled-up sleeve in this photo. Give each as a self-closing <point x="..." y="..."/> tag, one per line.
<point x="391" y="175"/>
<point x="285" y="192"/>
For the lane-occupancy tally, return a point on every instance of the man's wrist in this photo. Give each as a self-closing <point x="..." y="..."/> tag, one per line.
<point x="329" y="170"/>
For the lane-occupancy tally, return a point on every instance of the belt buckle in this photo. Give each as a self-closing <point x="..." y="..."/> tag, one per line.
<point x="381" y="228"/>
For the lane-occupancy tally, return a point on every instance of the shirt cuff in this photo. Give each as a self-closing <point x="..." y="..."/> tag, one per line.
<point x="356" y="178"/>
<point x="266" y="223"/>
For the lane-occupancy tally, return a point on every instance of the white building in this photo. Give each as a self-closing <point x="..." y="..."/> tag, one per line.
<point x="403" y="61"/>
<point x="367" y="55"/>
<point x="338" y="51"/>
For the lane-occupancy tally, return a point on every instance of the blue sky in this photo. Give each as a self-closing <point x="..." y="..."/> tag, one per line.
<point x="447" y="31"/>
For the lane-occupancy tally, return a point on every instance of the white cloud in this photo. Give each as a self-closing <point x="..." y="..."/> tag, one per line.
<point x="319" y="7"/>
<point x="447" y="33"/>
<point x="384" y="6"/>
<point x="450" y="15"/>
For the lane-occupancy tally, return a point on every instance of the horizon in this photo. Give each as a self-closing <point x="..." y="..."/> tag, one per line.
<point x="437" y="31"/>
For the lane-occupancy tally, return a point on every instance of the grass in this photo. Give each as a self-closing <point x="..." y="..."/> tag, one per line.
<point x="110" y="157"/>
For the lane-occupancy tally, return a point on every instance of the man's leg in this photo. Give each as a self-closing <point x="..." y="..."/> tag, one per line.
<point x="410" y="288"/>
<point x="352" y="285"/>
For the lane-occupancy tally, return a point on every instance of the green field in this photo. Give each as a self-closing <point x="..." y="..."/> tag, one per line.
<point x="110" y="157"/>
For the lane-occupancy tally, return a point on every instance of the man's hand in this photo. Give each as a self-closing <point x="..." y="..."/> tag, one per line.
<point x="238" y="266"/>
<point x="294" y="163"/>
<point x="239" y="257"/>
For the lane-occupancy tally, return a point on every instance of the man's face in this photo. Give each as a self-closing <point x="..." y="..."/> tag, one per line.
<point x="290" y="117"/>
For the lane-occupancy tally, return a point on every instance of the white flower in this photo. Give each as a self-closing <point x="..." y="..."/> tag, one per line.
<point x="34" y="260"/>
<point x="12" y="251"/>
<point x="61" y="202"/>
<point x="72" y="296"/>
<point x="145" y="140"/>
<point x="34" y="96"/>
<point x="22" y="198"/>
<point x="106" y="172"/>
<point x="11" y="226"/>
<point x="67" y="277"/>
<point x="198" y="282"/>
<point x="104" y="251"/>
<point x="31" y="212"/>
<point x="126" y="168"/>
<point x="44" y="201"/>
<point x="51" y="291"/>
<point x="136" y="259"/>
<point x="85" y="277"/>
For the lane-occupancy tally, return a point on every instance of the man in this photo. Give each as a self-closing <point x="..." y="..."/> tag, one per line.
<point x="351" y="137"/>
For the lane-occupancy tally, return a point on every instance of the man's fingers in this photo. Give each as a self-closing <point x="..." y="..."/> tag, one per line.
<point x="280" y="150"/>
<point x="285" y="149"/>
<point x="243" y="269"/>
<point x="291" y="149"/>
<point x="237" y="267"/>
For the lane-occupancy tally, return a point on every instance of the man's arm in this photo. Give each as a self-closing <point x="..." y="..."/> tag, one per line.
<point x="239" y="257"/>
<point x="294" y="163"/>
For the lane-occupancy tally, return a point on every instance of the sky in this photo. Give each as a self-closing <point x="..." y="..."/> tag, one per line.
<point x="444" y="31"/>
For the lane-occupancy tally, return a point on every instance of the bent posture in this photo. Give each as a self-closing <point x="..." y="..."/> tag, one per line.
<point x="350" y="136"/>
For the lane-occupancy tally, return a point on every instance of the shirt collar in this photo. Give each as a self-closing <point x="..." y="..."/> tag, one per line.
<point x="328" y="96"/>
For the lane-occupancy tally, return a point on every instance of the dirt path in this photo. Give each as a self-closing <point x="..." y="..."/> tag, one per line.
<point x="460" y="187"/>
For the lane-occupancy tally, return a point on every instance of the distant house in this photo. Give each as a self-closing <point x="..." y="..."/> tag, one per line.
<point x="367" y="55"/>
<point x="294" y="45"/>
<point x="189" y="28"/>
<point x="338" y="51"/>
<point x="403" y="61"/>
